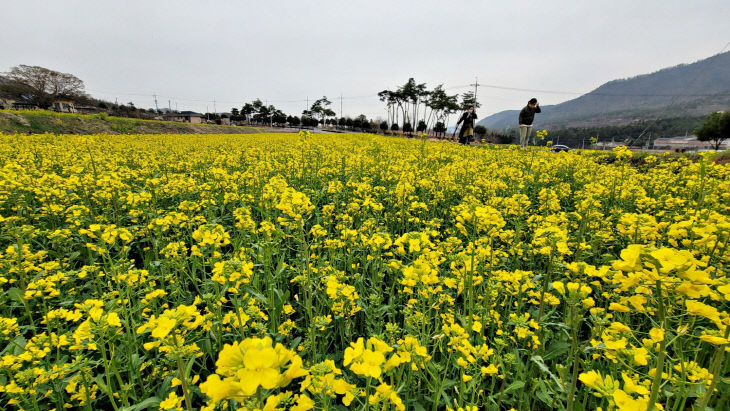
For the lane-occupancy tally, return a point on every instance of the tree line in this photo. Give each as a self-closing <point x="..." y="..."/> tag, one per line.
<point x="412" y="107"/>
<point x="318" y="114"/>
<point x="413" y="103"/>
<point x="408" y="104"/>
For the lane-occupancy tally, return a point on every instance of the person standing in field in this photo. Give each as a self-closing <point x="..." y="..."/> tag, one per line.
<point x="527" y="115"/>
<point x="467" y="129"/>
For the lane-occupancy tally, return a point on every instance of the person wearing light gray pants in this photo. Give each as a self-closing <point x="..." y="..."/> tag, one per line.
<point x="525" y="132"/>
<point x="527" y="115"/>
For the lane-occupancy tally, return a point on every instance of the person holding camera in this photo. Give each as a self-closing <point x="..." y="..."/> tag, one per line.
<point x="467" y="129"/>
<point x="527" y="115"/>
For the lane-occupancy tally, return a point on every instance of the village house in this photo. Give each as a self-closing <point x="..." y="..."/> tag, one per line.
<point x="6" y="103"/>
<point x="185" y="117"/>
<point x="24" y="105"/>
<point x="87" y="109"/>
<point x="685" y="143"/>
<point x="63" y="106"/>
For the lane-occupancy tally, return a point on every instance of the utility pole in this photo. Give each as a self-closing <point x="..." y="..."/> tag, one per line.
<point x="214" y="111"/>
<point x="155" y="96"/>
<point x="340" y="105"/>
<point x="476" y="85"/>
<point x="169" y="105"/>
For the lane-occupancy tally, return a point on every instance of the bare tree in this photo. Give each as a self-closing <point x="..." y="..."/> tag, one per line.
<point x="41" y="85"/>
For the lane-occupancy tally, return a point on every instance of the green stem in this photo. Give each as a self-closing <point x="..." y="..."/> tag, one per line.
<point x="714" y="370"/>
<point x="122" y="387"/>
<point x="545" y="283"/>
<point x="437" y="394"/>
<point x="186" y="391"/>
<point x="662" y="352"/>
<point x="576" y="357"/>
<point x="108" y="377"/>
<point x="366" y="407"/>
<point x="87" y="403"/>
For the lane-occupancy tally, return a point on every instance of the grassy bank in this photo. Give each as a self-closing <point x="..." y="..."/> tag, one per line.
<point x="41" y="121"/>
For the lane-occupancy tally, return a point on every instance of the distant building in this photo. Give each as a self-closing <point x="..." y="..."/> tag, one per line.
<point x="609" y="145"/>
<point x="87" y="109"/>
<point x="685" y="143"/>
<point x="63" y="106"/>
<point x="23" y="104"/>
<point x="6" y="103"/>
<point x="185" y="117"/>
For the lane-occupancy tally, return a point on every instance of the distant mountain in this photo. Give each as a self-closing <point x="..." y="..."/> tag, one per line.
<point x="685" y="90"/>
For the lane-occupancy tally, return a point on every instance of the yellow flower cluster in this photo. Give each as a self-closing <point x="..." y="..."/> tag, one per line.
<point x="249" y="365"/>
<point x="170" y="328"/>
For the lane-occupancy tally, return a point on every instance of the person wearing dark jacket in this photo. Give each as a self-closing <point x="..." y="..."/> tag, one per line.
<point x="467" y="129"/>
<point x="527" y="116"/>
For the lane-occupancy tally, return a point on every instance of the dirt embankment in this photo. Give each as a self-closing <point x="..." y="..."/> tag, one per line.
<point x="38" y="122"/>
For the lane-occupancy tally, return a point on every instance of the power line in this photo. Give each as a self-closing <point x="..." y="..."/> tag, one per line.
<point x="593" y="93"/>
<point x="476" y="85"/>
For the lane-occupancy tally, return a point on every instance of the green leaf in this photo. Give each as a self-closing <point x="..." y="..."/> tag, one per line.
<point x="152" y="402"/>
<point x="540" y="363"/>
<point x="514" y="387"/>
<point x="544" y="368"/>
<point x="135" y="361"/>
<point x="100" y="382"/>
<point x="17" y="346"/>
<point x="189" y="367"/>
<point x="556" y="349"/>
<point x="16" y="294"/>
<point x="257" y="295"/>
<point x="543" y="394"/>
<point x="448" y="384"/>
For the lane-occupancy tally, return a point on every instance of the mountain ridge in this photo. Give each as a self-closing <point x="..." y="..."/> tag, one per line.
<point x="688" y="89"/>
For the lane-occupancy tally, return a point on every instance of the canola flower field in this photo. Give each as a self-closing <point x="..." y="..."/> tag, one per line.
<point x="277" y="271"/>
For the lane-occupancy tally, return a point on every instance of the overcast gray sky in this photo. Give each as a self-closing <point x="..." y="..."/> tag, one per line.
<point x="191" y="52"/>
